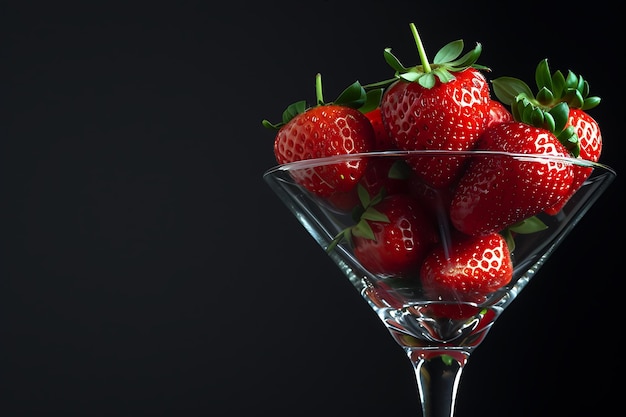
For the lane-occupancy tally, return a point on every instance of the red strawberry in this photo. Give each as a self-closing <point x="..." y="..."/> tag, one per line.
<point x="440" y="107"/>
<point x="394" y="236"/>
<point x="326" y="129"/>
<point x="590" y="141"/>
<point x="497" y="192"/>
<point x="589" y="135"/>
<point x="471" y="267"/>
<point x="498" y="113"/>
<point x="557" y="94"/>
<point x="383" y="141"/>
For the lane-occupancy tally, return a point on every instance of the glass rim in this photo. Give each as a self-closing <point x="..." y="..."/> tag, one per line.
<point x="329" y="160"/>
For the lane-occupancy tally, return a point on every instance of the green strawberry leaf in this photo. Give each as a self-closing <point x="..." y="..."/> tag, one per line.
<point x="528" y="226"/>
<point x="468" y="60"/>
<point x="291" y="111"/>
<point x="508" y="89"/>
<point x="394" y="62"/>
<point x="545" y="95"/>
<point x="509" y="239"/>
<point x="544" y="79"/>
<point x="560" y="113"/>
<point x="374" y="215"/>
<point x="569" y="138"/>
<point x="443" y="74"/>
<point x="400" y="170"/>
<point x="372" y="100"/>
<point x="361" y="215"/>
<point x="449" y="52"/>
<point x="353" y="96"/>
<point x="364" y="196"/>
<point x="345" y="234"/>
<point x="427" y="80"/>
<point x="378" y="197"/>
<point x="590" y="103"/>
<point x="363" y="229"/>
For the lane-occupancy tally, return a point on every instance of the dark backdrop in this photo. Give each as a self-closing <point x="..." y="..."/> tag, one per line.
<point x="148" y="270"/>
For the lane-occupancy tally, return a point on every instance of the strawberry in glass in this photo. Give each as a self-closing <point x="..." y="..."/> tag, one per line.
<point x="322" y="130"/>
<point x="582" y="133"/>
<point x="443" y="105"/>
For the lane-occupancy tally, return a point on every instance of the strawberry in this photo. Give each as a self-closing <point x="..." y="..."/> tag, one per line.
<point x="590" y="142"/>
<point x="497" y="192"/>
<point x="323" y="130"/>
<point x="555" y="89"/>
<point x="498" y="113"/>
<point x="392" y="235"/>
<point x="383" y="141"/>
<point x="468" y="269"/>
<point x="438" y="106"/>
<point x="589" y="135"/>
<point x="397" y="246"/>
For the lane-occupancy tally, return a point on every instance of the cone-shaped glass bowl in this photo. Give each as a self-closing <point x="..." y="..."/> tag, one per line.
<point x="438" y="333"/>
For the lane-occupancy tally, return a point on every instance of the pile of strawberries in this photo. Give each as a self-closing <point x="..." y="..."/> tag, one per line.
<point x="446" y="104"/>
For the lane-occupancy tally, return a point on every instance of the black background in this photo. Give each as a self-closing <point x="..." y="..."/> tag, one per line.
<point x="148" y="270"/>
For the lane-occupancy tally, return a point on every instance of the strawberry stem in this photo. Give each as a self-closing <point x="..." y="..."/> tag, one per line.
<point x="420" y="49"/>
<point x="318" y="89"/>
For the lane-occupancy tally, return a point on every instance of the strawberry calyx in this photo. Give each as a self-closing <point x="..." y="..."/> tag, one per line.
<point x="549" y="107"/>
<point x="447" y="61"/>
<point x="527" y="226"/>
<point x="354" y="96"/>
<point x="552" y="89"/>
<point x="361" y="215"/>
<point x="555" y="87"/>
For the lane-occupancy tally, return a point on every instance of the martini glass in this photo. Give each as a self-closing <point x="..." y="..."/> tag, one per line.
<point x="438" y="335"/>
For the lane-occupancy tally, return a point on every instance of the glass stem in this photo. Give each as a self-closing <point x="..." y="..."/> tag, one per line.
<point x="438" y="374"/>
